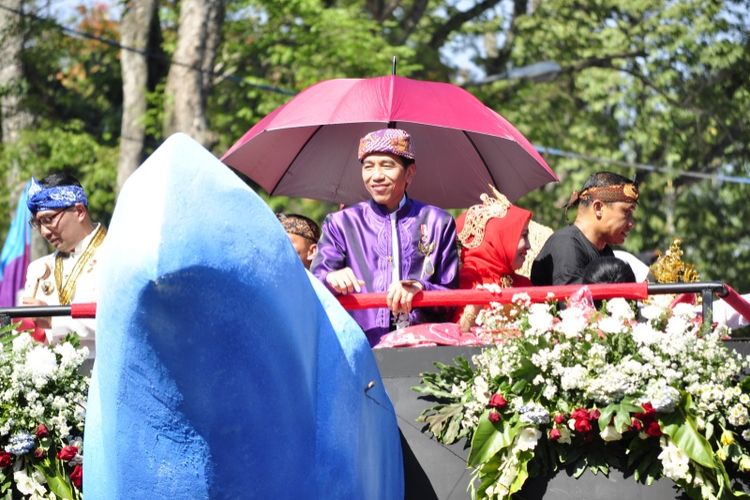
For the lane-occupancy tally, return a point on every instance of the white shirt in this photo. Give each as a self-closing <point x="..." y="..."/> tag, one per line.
<point x="40" y="284"/>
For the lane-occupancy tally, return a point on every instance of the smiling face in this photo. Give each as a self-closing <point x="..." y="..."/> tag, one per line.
<point x="386" y="178"/>
<point x="615" y="221"/>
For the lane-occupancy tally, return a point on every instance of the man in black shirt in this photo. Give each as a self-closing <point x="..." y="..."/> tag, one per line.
<point x="604" y="217"/>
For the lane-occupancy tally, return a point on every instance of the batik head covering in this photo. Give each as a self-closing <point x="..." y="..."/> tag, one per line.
<point x="386" y="140"/>
<point x="488" y="236"/>
<point x="627" y="192"/>
<point x="54" y="198"/>
<point x="300" y="225"/>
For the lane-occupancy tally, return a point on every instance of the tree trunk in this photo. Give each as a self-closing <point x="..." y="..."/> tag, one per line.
<point x="189" y="80"/>
<point x="12" y="113"/>
<point x="14" y="116"/>
<point x="136" y="22"/>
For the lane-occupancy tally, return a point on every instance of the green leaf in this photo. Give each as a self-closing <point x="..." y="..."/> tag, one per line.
<point x="488" y="439"/>
<point x="685" y="435"/>
<point x="606" y="416"/>
<point x="57" y="480"/>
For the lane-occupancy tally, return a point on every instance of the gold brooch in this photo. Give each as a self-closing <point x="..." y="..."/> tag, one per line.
<point x="425" y="246"/>
<point x="46" y="287"/>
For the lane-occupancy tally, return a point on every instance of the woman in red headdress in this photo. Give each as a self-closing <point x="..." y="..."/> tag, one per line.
<point x="493" y="241"/>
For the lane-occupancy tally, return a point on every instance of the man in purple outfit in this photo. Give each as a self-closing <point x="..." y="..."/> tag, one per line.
<point x="390" y="242"/>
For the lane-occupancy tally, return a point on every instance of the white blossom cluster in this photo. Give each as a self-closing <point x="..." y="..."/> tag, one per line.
<point x="547" y="362"/>
<point x="40" y="384"/>
<point x="573" y="352"/>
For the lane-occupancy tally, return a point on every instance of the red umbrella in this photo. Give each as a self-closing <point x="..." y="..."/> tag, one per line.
<point x="308" y="146"/>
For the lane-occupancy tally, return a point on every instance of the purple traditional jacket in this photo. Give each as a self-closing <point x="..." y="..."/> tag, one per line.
<point x="359" y="237"/>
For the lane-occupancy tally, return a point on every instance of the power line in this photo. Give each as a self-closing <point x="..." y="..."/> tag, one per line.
<point x="643" y="166"/>
<point x="145" y="53"/>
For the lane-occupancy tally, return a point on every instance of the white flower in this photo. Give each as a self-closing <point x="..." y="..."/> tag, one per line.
<point x="29" y="485"/>
<point x="610" y="324"/>
<point x="573" y="321"/>
<point x="41" y="362"/>
<point x="746" y="434"/>
<point x="684" y="310"/>
<point x="663" y="397"/>
<point x="674" y="460"/>
<point x="69" y="355"/>
<point x="549" y="391"/>
<point x="620" y="309"/>
<point x="645" y="334"/>
<point x="480" y="390"/>
<point x="610" y="434"/>
<point x="521" y="299"/>
<point x="21" y="343"/>
<point x="738" y="415"/>
<point x="573" y="377"/>
<point x="540" y="320"/>
<point x="527" y="438"/>
<point x="651" y="312"/>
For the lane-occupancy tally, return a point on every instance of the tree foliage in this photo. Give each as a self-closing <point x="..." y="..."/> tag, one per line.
<point x="651" y="89"/>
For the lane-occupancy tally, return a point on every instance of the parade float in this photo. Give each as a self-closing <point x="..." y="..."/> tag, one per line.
<point x="224" y="370"/>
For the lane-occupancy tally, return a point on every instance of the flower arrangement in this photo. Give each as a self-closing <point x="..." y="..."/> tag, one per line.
<point x="646" y="391"/>
<point x="42" y="402"/>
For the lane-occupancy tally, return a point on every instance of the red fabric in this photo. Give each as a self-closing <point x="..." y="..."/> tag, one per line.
<point x="29" y="325"/>
<point x="683" y="298"/>
<point x="428" y="334"/>
<point x="737" y="302"/>
<point x="493" y="258"/>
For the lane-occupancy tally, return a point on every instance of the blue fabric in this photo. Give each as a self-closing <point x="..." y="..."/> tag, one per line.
<point x="15" y="255"/>
<point x="53" y="198"/>
<point x="219" y="373"/>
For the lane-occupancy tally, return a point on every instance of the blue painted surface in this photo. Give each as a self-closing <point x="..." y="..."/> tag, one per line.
<point x="223" y="369"/>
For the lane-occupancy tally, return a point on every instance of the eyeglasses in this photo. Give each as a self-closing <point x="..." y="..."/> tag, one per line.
<point x="47" y="221"/>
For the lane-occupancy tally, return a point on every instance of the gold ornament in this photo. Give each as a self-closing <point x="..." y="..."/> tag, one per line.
<point x="669" y="268"/>
<point x="472" y="234"/>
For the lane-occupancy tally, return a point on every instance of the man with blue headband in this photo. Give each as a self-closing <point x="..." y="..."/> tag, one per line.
<point x="59" y="211"/>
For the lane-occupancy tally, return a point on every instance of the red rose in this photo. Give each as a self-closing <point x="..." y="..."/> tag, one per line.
<point x="42" y="431"/>
<point x="636" y="424"/>
<point x="39" y="453"/>
<point x="595" y="414"/>
<point x="6" y="459"/>
<point x="76" y="476"/>
<point x="498" y="401"/>
<point x="653" y="430"/>
<point x="554" y="434"/>
<point x="67" y="453"/>
<point x="494" y="417"/>
<point x="647" y="414"/>
<point x="580" y="414"/>
<point x="559" y="418"/>
<point x="583" y="426"/>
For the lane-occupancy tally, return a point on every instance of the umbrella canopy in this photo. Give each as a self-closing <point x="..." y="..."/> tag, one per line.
<point x="308" y="146"/>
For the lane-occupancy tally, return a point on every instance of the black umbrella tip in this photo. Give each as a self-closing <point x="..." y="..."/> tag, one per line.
<point x="393" y="66"/>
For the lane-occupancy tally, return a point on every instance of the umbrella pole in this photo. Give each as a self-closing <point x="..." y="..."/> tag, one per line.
<point x="393" y="66"/>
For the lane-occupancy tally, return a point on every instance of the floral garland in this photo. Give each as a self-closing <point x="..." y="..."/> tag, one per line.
<point x="645" y="391"/>
<point x="42" y="412"/>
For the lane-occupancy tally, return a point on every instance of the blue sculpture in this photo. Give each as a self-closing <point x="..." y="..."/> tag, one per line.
<point x="218" y="372"/>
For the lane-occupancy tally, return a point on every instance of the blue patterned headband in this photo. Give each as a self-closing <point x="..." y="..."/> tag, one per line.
<point x="53" y="198"/>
